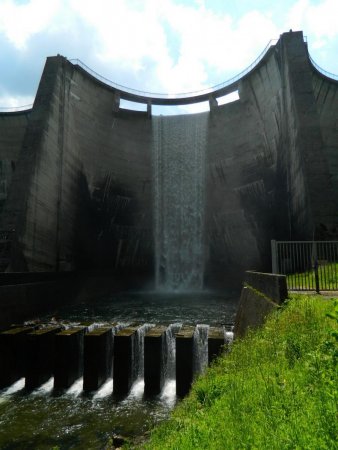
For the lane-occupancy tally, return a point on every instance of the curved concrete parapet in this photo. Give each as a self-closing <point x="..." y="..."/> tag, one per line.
<point x="82" y="192"/>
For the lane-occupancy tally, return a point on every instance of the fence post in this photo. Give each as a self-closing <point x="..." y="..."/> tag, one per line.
<point x="274" y="256"/>
<point x="315" y="264"/>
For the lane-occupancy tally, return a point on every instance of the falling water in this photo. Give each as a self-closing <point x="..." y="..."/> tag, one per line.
<point x="179" y="185"/>
<point x="138" y="356"/>
<point x="169" y="352"/>
<point x="200" y="348"/>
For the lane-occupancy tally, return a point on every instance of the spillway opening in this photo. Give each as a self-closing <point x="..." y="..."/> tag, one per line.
<point x="179" y="144"/>
<point x="228" y="98"/>
<point x="132" y="106"/>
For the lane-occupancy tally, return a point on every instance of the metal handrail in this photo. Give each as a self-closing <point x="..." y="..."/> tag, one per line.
<point x="210" y="90"/>
<point x="16" y="108"/>
<point x="180" y="94"/>
<point x="322" y="71"/>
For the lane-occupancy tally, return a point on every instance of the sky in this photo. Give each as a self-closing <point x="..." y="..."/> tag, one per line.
<point x="166" y="46"/>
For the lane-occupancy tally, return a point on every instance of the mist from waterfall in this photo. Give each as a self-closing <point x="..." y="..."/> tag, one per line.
<point x="179" y="197"/>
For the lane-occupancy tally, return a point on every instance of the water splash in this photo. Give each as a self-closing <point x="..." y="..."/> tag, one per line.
<point x="179" y="186"/>
<point x="45" y="389"/>
<point x="76" y="388"/>
<point x="14" y="388"/>
<point x="168" y="394"/>
<point x="105" y="390"/>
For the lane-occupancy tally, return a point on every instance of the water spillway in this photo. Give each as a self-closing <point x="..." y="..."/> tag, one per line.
<point x="179" y="201"/>
<point x="58" y="353"/>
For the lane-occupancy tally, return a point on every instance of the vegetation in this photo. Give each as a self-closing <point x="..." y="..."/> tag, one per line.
<point x="327" y="278"/>
<point x="276" y="389"/>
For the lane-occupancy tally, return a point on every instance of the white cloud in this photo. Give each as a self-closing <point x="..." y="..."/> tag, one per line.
<point x="317" y="19"/>
<point x="19" y="22"/>
<point x="8" y="102"/>
<point x="167" y="45"/>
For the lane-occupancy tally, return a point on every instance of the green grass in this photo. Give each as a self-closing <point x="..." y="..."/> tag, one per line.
<point x="276" y="389"/>
<point x="327" y="274"/>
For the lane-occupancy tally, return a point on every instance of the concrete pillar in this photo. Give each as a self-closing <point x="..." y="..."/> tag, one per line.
<point x="184" y="359"/>
<point x="212" y="103"/>
<point x="116" y="104"/>
<point x="68" y="362"/>
<point x="98" y="358"/>
<point x="216" y="340"/>
<point x="153" y="360"/>
<point x="124" y="355"/>
<point x="40" y="356"/>
<point x="12" y="355"/>
<point x="149" y="109"/>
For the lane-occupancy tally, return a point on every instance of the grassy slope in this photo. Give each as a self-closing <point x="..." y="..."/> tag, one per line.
<point x="277" y="389"/>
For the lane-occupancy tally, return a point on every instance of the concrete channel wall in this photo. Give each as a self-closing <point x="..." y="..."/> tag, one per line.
<point x="82" y="192"/>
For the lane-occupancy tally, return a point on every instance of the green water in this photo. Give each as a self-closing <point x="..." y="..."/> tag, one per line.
<point x="40" y="420"/>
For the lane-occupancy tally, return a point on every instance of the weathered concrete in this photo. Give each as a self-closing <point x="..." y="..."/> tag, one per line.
<point x="40" y="356"/>
<point x="124" y="358"/>
<point x="81" y="192"/>
<point x="68" y="361"/>
<point x="184" y="359"/>
<point x="98" y="358"/>
<point x="252" y="311"/>
<point x="13" y="354"/>
<point x="153" y="360"/>
<point x="216" y="340"/>
<point x="272" y="285"/>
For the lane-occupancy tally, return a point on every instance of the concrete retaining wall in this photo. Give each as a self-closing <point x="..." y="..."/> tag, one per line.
<point x="262" y="293"/>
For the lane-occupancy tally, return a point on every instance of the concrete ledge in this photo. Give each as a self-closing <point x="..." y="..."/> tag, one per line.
<point x="252" y="310"/>
<point x="270" y="284"/>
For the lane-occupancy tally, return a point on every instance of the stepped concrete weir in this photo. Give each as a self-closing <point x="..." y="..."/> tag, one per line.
<point x="154" y="349"/>
<point x="184" y="359"/>
<point x="40" y="356"/>
<point x="98" y="358"/>
<point x="68" y="357"/>
<point x="13" y="355"/>
<point x="155" y="353"/>
<point x="124" y="360"/>
<point x="178" y="202"/>
<point x="216" y="340"/>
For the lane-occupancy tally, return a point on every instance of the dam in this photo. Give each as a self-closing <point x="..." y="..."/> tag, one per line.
<point x="97" y="199"/>
<point x="188" y="201"/>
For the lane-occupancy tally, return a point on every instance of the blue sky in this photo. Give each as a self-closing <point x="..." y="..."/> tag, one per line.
<point x="154" y="45"/>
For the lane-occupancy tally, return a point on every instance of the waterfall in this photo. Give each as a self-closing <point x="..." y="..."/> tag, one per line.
<point x="138" y="356"/>
<point x="179" y="186"/>
<point x="200" y="348"/>
<point x="169" y="351"/>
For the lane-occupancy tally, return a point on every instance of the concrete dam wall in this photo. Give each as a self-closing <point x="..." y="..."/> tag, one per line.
<point x="188" y="201"/>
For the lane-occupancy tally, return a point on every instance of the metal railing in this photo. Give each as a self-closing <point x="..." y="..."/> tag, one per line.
<point x="308" y="265"/>
<point x="180" y="94"/>
<point x="16" y="108"/>
<point x="322" y="71"/>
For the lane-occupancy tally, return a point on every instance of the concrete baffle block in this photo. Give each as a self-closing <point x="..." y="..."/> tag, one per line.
<point x="13" y="354"/>
<point x="97" y="358"/>
<point x="40" y="356"/>
<point x="124" y="357"/>
<point x="68" y="361"/>
<point x="216" y="340"/>
<point x="153" y="360"/>
<point x="184" y="359"/>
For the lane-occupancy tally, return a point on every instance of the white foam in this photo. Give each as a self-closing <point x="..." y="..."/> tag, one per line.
<point x="105" y="390"/>
<point x="76" y="388"/>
